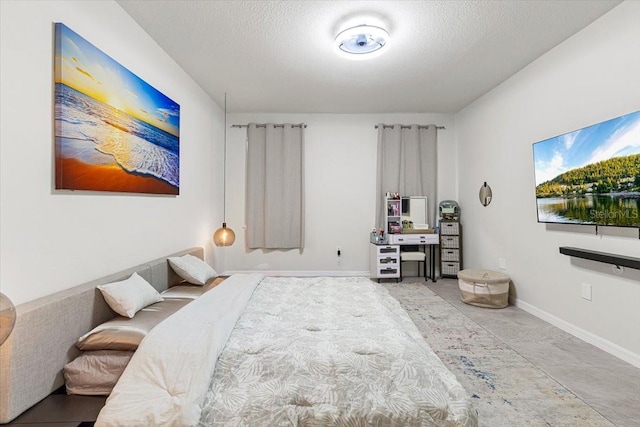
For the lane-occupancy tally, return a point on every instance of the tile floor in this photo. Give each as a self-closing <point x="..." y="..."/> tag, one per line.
<point x="604" y="382"/>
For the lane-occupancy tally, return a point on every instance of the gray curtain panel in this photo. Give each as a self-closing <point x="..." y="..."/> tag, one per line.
<point x="275" y="186"/>
<point x="407" y="164"/>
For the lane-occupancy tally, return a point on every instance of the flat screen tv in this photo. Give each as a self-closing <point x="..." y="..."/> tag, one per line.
<point x="591" y="175"/>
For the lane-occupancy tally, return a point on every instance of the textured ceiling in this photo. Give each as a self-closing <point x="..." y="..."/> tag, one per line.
<point x="278" y="56"/>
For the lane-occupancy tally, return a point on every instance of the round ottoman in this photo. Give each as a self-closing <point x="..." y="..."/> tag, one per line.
<point x="484" y="288"/>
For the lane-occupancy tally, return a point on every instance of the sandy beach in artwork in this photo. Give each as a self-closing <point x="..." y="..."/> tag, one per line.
<point x="84" y="176"/>
<point x="103" y="149"/>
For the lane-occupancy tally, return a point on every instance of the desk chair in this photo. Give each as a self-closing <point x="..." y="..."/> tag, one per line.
<point x="414" y="256"/>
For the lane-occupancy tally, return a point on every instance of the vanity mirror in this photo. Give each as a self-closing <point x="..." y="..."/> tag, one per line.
<point x="414" y="212"/>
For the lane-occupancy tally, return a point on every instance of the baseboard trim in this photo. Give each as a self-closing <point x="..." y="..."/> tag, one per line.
<point x="601" y="343"/>
<point x="304" y="273"/>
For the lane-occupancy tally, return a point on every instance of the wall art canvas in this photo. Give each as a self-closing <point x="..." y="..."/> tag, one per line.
<point x="113" y="131"/>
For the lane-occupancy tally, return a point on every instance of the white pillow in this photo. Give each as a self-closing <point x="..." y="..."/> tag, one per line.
<point x="192" y="269"/>
<point x="129" y="296"/>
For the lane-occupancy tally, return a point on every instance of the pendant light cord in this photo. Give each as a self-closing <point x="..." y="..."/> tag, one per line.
<point x="224" y="166"/>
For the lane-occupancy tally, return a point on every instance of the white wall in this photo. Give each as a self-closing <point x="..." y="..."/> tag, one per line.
<point x="592" y="77"/>
<point x="340" y="185"/>
<point x="51" y="240"/>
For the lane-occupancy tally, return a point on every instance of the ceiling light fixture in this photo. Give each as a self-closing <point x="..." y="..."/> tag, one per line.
<point x="224" y="236"/>
<point x="362" y="41"/>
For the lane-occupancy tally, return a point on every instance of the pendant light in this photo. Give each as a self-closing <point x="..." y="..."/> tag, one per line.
<point x="224" y="236"/>
<point x="7" y="317"/>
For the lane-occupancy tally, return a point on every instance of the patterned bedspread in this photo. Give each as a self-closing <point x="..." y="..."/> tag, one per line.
<point x="330" y="351"/>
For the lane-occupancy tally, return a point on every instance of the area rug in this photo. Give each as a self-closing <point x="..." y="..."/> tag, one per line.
<point x="506" y="389"/>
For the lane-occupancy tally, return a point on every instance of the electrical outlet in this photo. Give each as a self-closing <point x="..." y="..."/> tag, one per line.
<point x="338" y="251"/>
<point x="586" y="291"/>
<point x="502" y="263"/>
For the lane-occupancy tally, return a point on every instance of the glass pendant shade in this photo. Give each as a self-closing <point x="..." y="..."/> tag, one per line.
<point x="7" y="317"/>
<point x="224" y="236"/>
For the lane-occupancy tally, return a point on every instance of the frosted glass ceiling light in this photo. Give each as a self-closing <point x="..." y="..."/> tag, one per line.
<point x="362" y="41"/>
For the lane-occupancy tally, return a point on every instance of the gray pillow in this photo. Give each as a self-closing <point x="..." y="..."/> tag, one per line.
<point x="123" y="333"/>
<point x="95" y="373"/>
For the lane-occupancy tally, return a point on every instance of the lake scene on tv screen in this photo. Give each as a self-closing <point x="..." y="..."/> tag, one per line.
<point x="591" y="175"/>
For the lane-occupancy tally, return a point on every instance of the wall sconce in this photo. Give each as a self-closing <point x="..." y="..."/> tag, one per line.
<point x="485" y="194"/>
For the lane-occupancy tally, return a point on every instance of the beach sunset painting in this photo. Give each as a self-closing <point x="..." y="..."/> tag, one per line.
<point x="113" y="131"/>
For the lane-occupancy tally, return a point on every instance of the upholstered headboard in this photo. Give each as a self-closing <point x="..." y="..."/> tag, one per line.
<point x="46" y="330"/>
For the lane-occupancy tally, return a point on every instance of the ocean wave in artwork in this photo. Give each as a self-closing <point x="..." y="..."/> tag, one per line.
<point x="85" y="124"/>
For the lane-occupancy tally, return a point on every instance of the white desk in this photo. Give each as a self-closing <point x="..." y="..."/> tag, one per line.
<point x="385" y="258"/>
<point x="422" y="239"/>
<point x="414" y="239"/>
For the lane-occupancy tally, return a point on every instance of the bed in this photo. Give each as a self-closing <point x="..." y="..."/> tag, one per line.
<point x="288" y="351"/>
<point x="251" y="351"/>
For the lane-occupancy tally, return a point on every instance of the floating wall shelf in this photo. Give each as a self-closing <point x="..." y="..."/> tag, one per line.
<point x="619" y="260"/>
